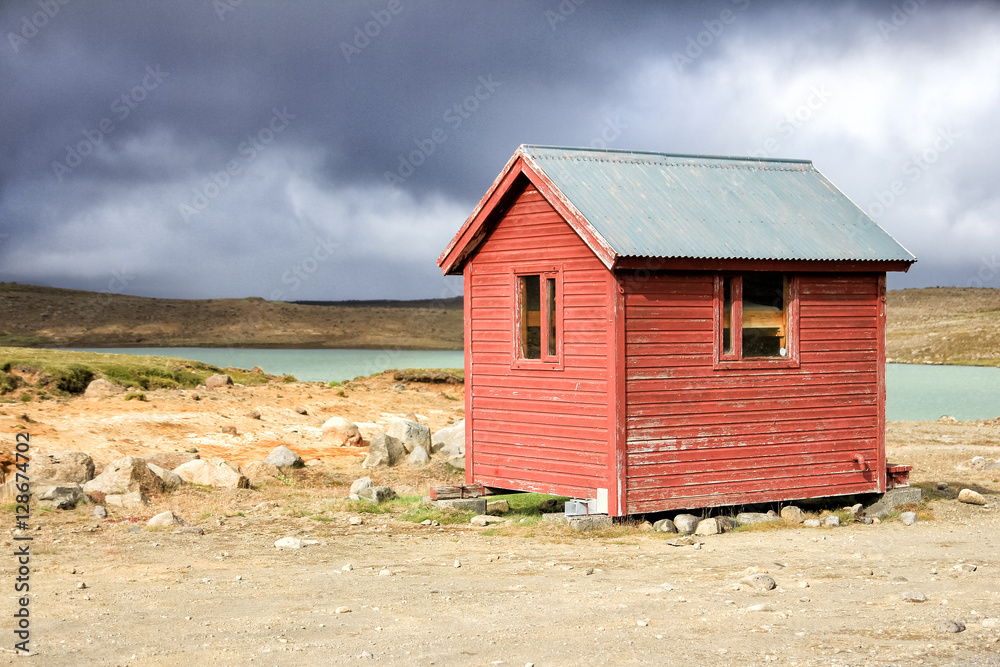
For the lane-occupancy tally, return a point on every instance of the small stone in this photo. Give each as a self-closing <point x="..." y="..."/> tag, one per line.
<point x="360" y="484"/>
<point x="485" y="520"/>
<point x="966" y="567"/>
<point x="812" y="523"/>
<point x="377" y="494"/>
<point x="355" y="521"/>
<point x="194" y="530"/>
<point x="293" y="543"/>
<point x="255" y="414"/>
<point x="385" y="572"/>
<point x="760" y="607"/>
<point x="941" y="486"/>
<point x="301" y="410"/>
<point x="283" y="457"/>
<point x="342" y="610"/>
<point x="707" y="527"/>
<point x="347" y="568"/>
<point x="764" y="582"/>
<point x="908" y="518"/>
<point x="950" y="626"/>
<point x="497" y="507"/>
<point x="100" y="512"/>
<point x="642" y="622"/>
<point x="970" y="497"/>
<point x="831" y="521"/>
<point x="589" y="571"/>
<point x="165" y="520"/>
<point x="81" y="585"/>
<point x="686" y="524"/>
<point x="914" y="596"/>
<point x="665" y="526"/>
<point x="803" y="584"/>
<point x="458" y="564"/>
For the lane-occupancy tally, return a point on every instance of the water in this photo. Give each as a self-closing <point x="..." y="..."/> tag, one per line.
<point x="914" y="392"/>
<point x="306" y="365"/>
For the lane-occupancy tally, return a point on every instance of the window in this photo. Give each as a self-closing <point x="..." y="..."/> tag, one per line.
<point x="756" y="316"/>
<point x="538" y="329"/>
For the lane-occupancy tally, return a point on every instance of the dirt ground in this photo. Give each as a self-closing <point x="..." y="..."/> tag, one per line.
<point x="464" y="595"/>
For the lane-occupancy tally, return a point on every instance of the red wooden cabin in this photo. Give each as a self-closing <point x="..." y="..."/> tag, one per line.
<point x="655" y="332"/>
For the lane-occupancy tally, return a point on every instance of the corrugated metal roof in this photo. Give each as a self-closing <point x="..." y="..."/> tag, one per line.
<point x="692" y="206"/>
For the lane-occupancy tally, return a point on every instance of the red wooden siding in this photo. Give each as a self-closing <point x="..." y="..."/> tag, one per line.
<point x="536" y="429"/>
<point x="697" y="436"/>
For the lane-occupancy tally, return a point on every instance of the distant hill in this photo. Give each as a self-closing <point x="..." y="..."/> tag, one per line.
<point x="937" y="325"/>
<point x="47" y="316"/>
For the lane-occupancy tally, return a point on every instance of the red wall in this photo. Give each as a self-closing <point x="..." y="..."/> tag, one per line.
<point x="700" y="437"/>
<point x="538" y="430"/>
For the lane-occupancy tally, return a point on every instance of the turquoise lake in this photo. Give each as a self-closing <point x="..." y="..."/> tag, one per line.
<point x="914" y="392"/>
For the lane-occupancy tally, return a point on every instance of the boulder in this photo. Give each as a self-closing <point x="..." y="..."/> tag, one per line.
<point x="450" y="441"/>
<point x="171" y="480"/>
<point x="377" y="494"/>
<point x="217" y="381"/>
<point x="383" y="450"/>
<point x="75" y="467"/>
<point x="792" y="514"/>
<point x="971" y="497"/>
<point x="170" y="460"/>
<point x="686" y="523"/>
<point x="411" y="434"/>
<point x="497" y="507"/>
<point x="57" y="495"/>
<point x="213" y="472"/>
<point x="726" y="523"/>
<point x="341" y="432"/>
<point x="359" y="484"/>
<point x="418" y="458"/>
<point x="831" y="521"/>
<point x="165" y="520"/>
<point x="750" y="518"/>
<point x="124" y="476"/>
<point x="665" y="526"/>
<point x="99" y="388"/>
<point x="283" y="457"/>
<point x="260" y="472"/>
<point x="707" y="527"/>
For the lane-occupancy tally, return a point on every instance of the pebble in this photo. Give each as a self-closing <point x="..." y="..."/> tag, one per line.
<point x="812" y="523"/>
<point x="760" y="607"/>
<point x="81" y="585"/>
<point x="458" y="564"/>
<point x="342" y="610"/>
<point x="965" y="567"/>
<point x="908" y="518"/>
<point x="642" y="622"/>
<point x="589" y="571"/>
<point x="100" y="512"/>
<point x="764" y="582"/>
<point x="355" y="521"/>
<point x="950" y="626"/>
<point x="914" y="596"/>
<point x="347" y="568"/>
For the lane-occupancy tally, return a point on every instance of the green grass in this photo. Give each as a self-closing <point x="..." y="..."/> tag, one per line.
<point x="65" y="372"/>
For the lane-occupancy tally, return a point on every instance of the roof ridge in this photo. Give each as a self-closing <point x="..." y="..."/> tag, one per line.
<point x="640" y="154"/>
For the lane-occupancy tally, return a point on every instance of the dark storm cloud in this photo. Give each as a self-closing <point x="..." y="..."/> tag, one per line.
<point x="330" y="150"/>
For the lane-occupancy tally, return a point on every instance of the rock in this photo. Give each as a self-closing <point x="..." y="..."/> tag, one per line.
<point x="260" y="472"/>
<point x="377" y="494"/>
<point x="760" y="607"/>
<point x="450" y="441"/>
<point x="255" y="414"/>
<point x="947" y="419"/>
<point x="126" y="500"/>
<point x="831" y="521"/>
<point x="100" y="388"/>
<point x="812" y="523"/>
<point x="908" y="518"/>
<point x="914" y="596"/>
<point x="171" y="480"/>
<point x="686" y="523"/>
<point x="383" y="450"/>
<point x="75" y="467"/>
<point x="592" y="522"/>
<point x="57" y="495"/>
<point x="949" y="626"/>
<point x="356" y="521"/>
<point x="340" y="432"/>
<point x="477" y="505"/>
<point x="966" y="567"/>
<point x="217" y="381"/>
<point x="792" y="514"/>
<point x="665" y="526"/>
<point x="707" y="527"/>
<point x="283" y="457"/>
<point x="213" y="472"/>
<point x="100" y="512"/>
<point x="941" y="486"/>
<point x="979" y="462"/>
<point x="301" y="410"/>
<point x="293" y="543"/>
<point x="170" y="460"/>
<point x="230" y="430"/>
<point x="418" y="458"/>
<point x="726" y="523"/>
<point x="970" y="497"/>
<point x="497" y="507"/>
<point x="485" y="520"/>
<point x="195" y="530"/>
<point x="359" y="484"/>
<point x="411" y="434"/>
<point x="124" y="476"/>
<point x="165" y="520"/>
<point x="764" y="582"/>
<point x="891" y="499"/>
<point x="856" y="509"/>
<point x="750" y="518"/>
<point x="457" y="462"/>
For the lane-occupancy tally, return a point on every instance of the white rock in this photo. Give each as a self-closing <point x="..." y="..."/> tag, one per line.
<point x="165" y="520"/>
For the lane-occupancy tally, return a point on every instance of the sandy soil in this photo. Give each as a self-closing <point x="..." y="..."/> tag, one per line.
<point x="517" y="595"/>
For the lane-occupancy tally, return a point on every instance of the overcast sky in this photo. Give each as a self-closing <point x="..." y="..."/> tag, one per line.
<point x="330" y="150"/>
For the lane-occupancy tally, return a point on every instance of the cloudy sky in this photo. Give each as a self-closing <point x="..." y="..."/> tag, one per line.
<point x="329" y="150"/>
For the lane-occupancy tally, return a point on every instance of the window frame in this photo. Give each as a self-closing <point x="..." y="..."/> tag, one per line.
<point x="546" y="361"/>
<point x="735" y="360"/>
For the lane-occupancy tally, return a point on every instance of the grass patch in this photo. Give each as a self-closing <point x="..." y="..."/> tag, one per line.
<point x="137" y="395"/>
<point x="422" y="513"/>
